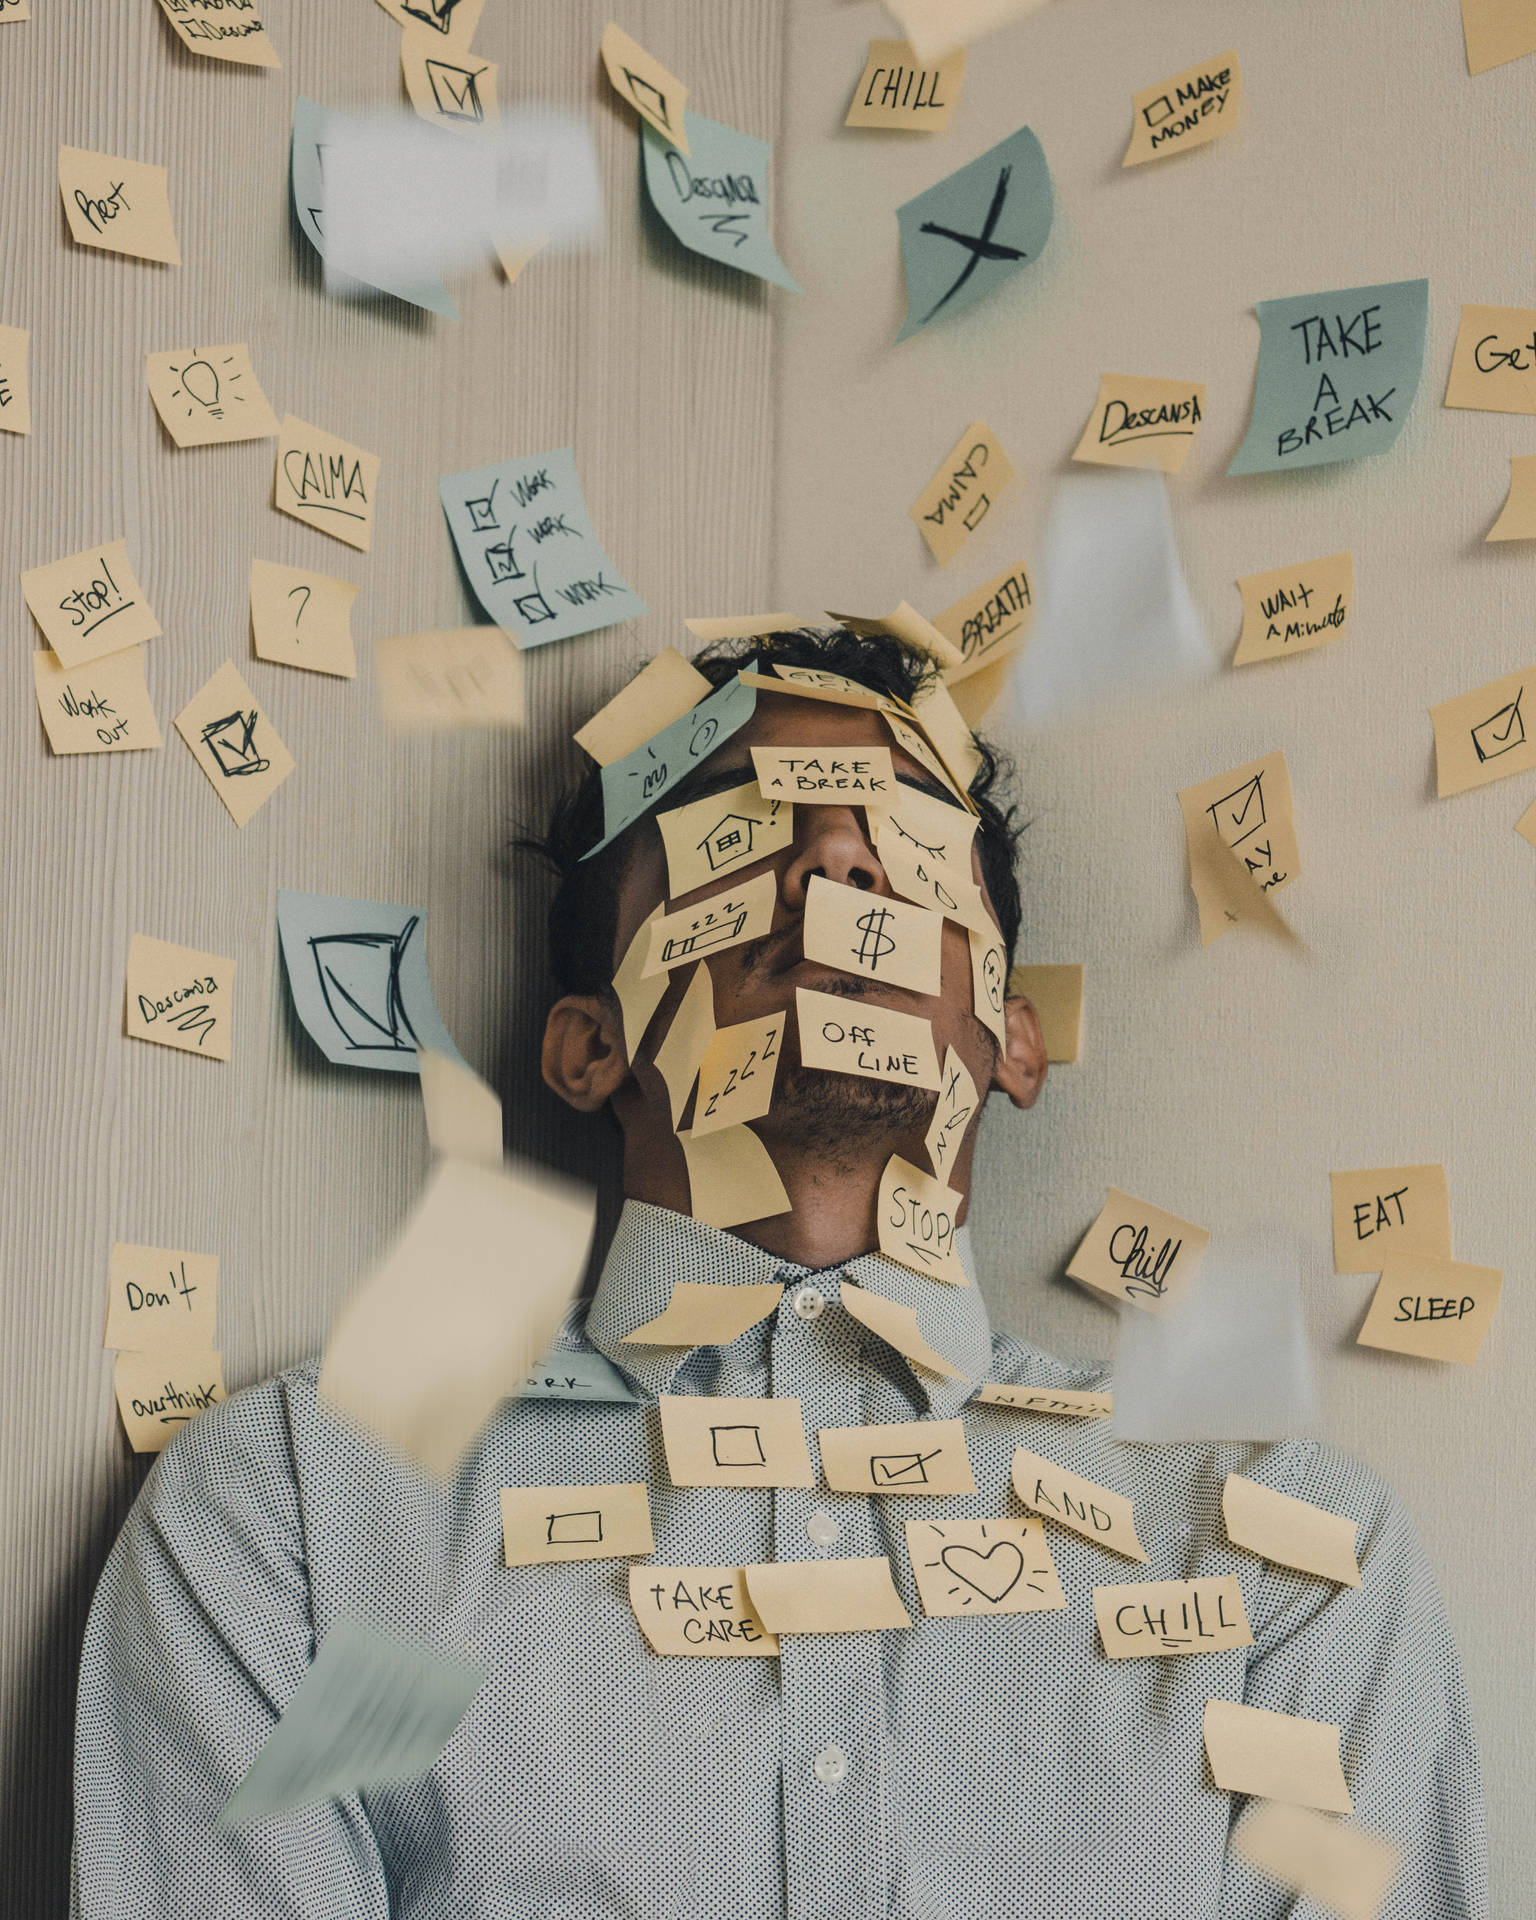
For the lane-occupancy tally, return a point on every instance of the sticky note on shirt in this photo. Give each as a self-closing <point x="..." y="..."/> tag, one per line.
<point x="731" y="1178"/>
<point x="1248" y="810"/>
<point x="542" y="1525"/>
<point x="1437" y="1309"/>
<point x="1289" y="1531"/>
<point x="1076" y="1403"/>
<point x="736" y="1074"/>
<point x="714" y="194"/>
<point x="824" y="776"/>
<point x="159" y="1391"/>
<point x="1154" y="1617"/>
<point x="1278" y="1756"/>
<point x="215" y="29"/>
<point x="1055" y="991"/>
<point x="15" y="389"/>
<point x="160" y="1298"/>
<point x="898" y="90"/>
<point x="877" y="938"/>
<point x="698" y="1610"/>
<point x="121" y="205"/>
<point x="1493" y="367"/>
<point x="966" y="1568"/>
<point x="715" y="1440"/>
<point x="100" y="707"/>
<point x="1292" y="609"/>
<point x="826" y="1596"/>
<point x="918" y="1457"/>
<point x="301" y="618"/>
<point x="664" y="689"/>
<point x="461" y="677"/>
<point x="206" y="395"/>
<point x="723" y="919"/>
<point x="1139" y="1253"/>
<point x="1186" y="110"/>
<point x="1141" y="422"/>
<point x="655" y="92"/>
<point x="710" y="838"/>
<point x="327" y="483"/>
<point x="699" y="1314"/>
<point x="463" y="1114"/>
<point x="180" y="997"/>
<point x="1343" y="1869"/>
<point x="454" y="89"/>
<point x="1483" y="735"/>
<point x="1517" y="517"/>
<point x="918" y="1220"/>
<point x="972" y="478"/>
<point x="90" y="603"/>
<point x="898" y="1327"/>
<point x="952" y="1115"/>
<point x="1097" y="1513"/>
<point x="1382" y="1210"/>
<point x="233" y="740"/>
<point x="839" y="1035"/>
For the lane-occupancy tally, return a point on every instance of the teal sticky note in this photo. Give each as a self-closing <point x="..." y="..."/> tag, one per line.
<point x="357" y="971"/>
<point x="640" y="779"/>
<point x="715" y="196"/>
<point x="1337" y="375"/>
<point x="372" y="1711"/>
<point x="975" y="229"/>
<point x="564" y="1375"/>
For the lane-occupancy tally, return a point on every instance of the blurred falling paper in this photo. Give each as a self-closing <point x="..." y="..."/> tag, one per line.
<point x="372" y="1711"/>
<point x="461" y="1308"/>
<point x="1231" y="1361"/>
<point x="1116" y="615"/>
<point x="403" y="203"/>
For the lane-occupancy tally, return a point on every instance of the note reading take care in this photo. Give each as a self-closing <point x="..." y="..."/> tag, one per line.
<point x="206" y="395"/>
<point x="15" y="389"/>
<point x="121" y="205"/>
<point x="547" y="1525"/>
<point x="698" y="1610"/>
<point x="923" y="1457"/>
<point x="179" y="997"/>
<point x="160" y="1390"/>
<point x="716" y="1440"/>
<point x="918" y="1220"/>
<point x="711" y="190"/>
<point x="221" y="31"/>
<point x="301" y="618"/>
<point x="1278" y="1756"/>
<point x="982" y="1566"/>
<point x="327" y="483"/>
<point x="160" y="1298"/>
<point x="826" y="1596"/>
<point x="1139" y="1253"/>
<point x="1382" y="1210"/>
<point x="972" y="477"/>
<point x="100" y="707"/>
<point x="655" y="93"/>
<point x="1142" y="422"/>
<point x="1097" y="1513"/>
<point x="964" y="236"/>
<point x="90" y="603"/>
<point x="1156" y="1617"/>
<point x="843" y="1036"/>
<point x="1433" y="1308"/>
<point x="1482" y="735"/>
<point x="1291" y="1532"/>
<point x="896" y="89"/>
<point x="235" y="743"/>
<point x="1291" y="609"/>
<point x="1186" y="110"/>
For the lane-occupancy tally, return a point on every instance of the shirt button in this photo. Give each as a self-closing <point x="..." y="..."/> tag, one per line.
<point x="831" y="1766"/>
<point x="809" y="1304"/>
<point x="823" y="1529"/>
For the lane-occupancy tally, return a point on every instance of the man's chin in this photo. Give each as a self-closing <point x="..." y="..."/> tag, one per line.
<point x="842" y="1115"/>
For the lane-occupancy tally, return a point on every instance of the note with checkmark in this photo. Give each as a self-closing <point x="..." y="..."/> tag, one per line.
<point x="1485" y="734"/>
<point x="909" y="1456"/>
<point x="1248" y="810"/>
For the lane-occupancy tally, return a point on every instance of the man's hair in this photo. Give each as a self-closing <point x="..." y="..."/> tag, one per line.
<point x="583" y="915"/>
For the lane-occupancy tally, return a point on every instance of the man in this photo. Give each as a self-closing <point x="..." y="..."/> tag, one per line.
<point x="992" y="1767"/>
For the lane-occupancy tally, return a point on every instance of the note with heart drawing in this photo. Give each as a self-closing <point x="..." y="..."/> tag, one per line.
<point x="983" y="1566"/>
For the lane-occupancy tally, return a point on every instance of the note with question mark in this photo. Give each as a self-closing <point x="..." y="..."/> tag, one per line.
<point x="302" y="619"/>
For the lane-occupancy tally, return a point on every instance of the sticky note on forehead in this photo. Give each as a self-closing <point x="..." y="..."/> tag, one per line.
<point x="825" y="776"/>
<point x="1382" y="1210"/>
<point x="661" y="692"/>
<point x="637" y="782"/>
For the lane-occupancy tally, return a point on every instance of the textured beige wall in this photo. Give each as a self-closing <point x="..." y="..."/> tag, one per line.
<point x="1227" y="1083"/>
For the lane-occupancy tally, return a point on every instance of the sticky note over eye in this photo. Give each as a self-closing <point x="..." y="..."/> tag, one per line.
<point x="327" y="483"/>
<point x="1292" y="609"/>
<point x="715" y="1440"/>
<point x="547" y="1525"/>
<point x="1278" y="1756"/>
<point x="710" y="838"/>
<point x="90" y="603"/>
<point x="1435" y="1309"/>
<point x="1484" y="735"/>
<point x="965" y="1568"/>
<point x="898" y="90"/>
<point x="1383" y="1210"/>
<point x="873" y="936"/>
<point x="1138" y="1253"/>
<point x="15" y="391"/>
<point x="179" y="997"/>
<point x="1097" y="1513"/>
<point x="655" y="93"/>
<point x="1141" y="422"/>
<point x="213" y="28"/>
<point x="698" y="1610"/>
<point x="958" y="500"/>
<point x="838" y="1035"/>
<point x="301" y="618"/>
<point x="458" y="677"/>
<point x="158" y="1392"/>
<point x="121" y="205"/>
<point x="1186" y="110"/>
<point x="1291" y="1532"/>
<point x="664" y="689"/>
<point x="736" y="1074"/>
<point x="101" y="707"/>
<point x="160" y="1298"/>
<point x="918" y="1457"/>
<point x="235" y="743"/>
<point x="918" y="1219"/>
<point x="825" y="776"/>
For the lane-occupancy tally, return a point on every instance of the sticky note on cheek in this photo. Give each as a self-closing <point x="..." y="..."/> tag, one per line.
<point x="877" y="1043"/>
<point x="720" y="920"/>
<point x="698" y="1610"/>
<point x="1379" y="1211"/>
<point x="711" y="838"/>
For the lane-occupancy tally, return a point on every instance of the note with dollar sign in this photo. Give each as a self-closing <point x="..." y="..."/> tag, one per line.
<point x="873" y="935"/>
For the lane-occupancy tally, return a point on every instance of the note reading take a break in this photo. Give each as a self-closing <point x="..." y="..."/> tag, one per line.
<point x="1291" y="1532"/>
<point x="846" y="1036"/>
<point x="1142" y="422"/>
<point x="1097" y="1513"/>
<point x="715" y="1440"/>
<point x="121" y="205"/>
<point x="101" y="707"/>
<point x="1149" y="1617"/>
<point x="918" y="1457"/>
<point x="723" y="919"/>
<point x="1342" y="1869"/>
<point x="682" y="1046"/>
<point x="327" y="483"/>
<point x="15" y="390"/>
<point x="826" y="1596"/>
<point x="877" y="938"/>
<point x="206" y="395"/>
<point x="1292" y="609"/>
<point x="710" y="838"/>
<point x="235" y="743"/>
<point x="301" y="618"/>
<point x="731" y="1178"/>
<point x="656" y="94"/>
<point x="1248" y="810"/>
<point x="825" y="776"/>
<point x="897" y="1326"/>
<point x="1493" y="367"/>
<point x="215" y="29"/>
<point x="1483" y="735"/>
<point x="898" y="90"/>
<point x="700" y="1314"/>
<point x="952" y="1115"/>
<point x="179" y="997"/>
<point x="160" y="1390"/>
<point x="736" y="1074"/>
<point x="1055" y="991"/>
<point x="1382" y="1210"/>
<point x="699" y="1610"/>
<point x="1075" y="1402"/>
<point x="1434" y="1308"/>
<point x="972" y="1567"/>
<point x="971" y="479"/>
<point x="1137" y="1252"/>
<point x="542" y="1525"/>
<point x="664" y="689"/>
<point x="160" y="1298"/>
<point x="90" y="603"/>
<point x="1277" y="1756"/>
<point x="918" y="1219"/>
<point x="1186" y="110"/>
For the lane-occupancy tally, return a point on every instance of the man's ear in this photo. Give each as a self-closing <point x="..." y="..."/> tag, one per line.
<point x="1019" y="1070"/>
<point x="584" y="1060"/>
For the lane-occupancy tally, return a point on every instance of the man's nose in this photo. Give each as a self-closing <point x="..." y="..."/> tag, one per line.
<point x="832" y="842"/>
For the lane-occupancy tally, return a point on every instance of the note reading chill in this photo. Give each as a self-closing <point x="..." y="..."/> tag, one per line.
<point x="545" y="1525"/>
<point x="825" y="776"/>
<point x="1097" y="1513"/>
<point x="710" y="838"/>
<point x="974" y="1567"/>
<point x="920" y="1457"/>
<point x="235" y="743"/>
<point x="160" y="1298"/>
<point x="460" y="677"/>
<point x="713" y="195"/>
<point x="327" y="483"/>
<point x="1436" y="1309"/>
<point x="221" y="30"/>
<point x="301" y="618"/>
<point x="1291" y="609"/>
<point x="1186" y="110"/>
<point x="918" y="1220"/>
<point x="90" y="603"/>
<point x="1483" y="735"/>
<point x="1138" y="1253"/>
<point x="1141" y="422"/>
<point x="972" y="478"/>
<point x="898" y="90"/>
<point x="101" y="707"/>
<point x="1171" y="1616"/>
<point x="179" y="997"/>
<point x="206" y="395"/>
<point x="847" y="1036"/>
<point x="715" y="1440"/>
<point x="121" y="205"/>
<point x="1383" y="1210"/>
<point x="698" y="1610"/>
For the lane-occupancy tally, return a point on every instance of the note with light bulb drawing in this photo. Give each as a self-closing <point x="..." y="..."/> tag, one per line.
<point x="206" y="395"/>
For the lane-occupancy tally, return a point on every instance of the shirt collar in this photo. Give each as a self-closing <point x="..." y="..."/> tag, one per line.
<point x="654" y="1246"/>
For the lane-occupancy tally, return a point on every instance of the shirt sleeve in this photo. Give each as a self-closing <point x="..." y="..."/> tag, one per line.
<point x="1378" y="1661"/>
<point x="199" y="1634"/>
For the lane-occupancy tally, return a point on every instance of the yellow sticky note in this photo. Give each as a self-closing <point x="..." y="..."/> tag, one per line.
<point x="235" y="743"/>
<point x="920" y="748"/>
<point x="15" y="390"/>
<point x="101" y="707"/>
<point x="658" y="96"/>
<point x="842" y="1036"/>
<point x="928" y="862"/>
<point x="544" y="1525"/>
<point x="1097" y="1513"/>
<point x="1138" y="1253"/>
<point x="159" y="1392"/>
<point x="936" y="27"/>
<point x="457" y="677"/>
<point x="327" y="483"/>
<point x="1186" y="110"/>
<point x="710" y="838"/>
<point x="897" y="1326"/>
<point x="1436" y="1309"/>
<point x="736" y="1074"/>
<point x="898" y="90"/>
<point x="731" y="1178"/>
<point x="970" y="481"/>
<point x="222" y="31"/>
<point x="1248" y="809"/>
<point x="1525" y="826"/>
<point x="639" y="993"/>
<point x="1517" y="517"/>
<point x="739" y="626"/>
<point x="699" y="1314"/>
<point x="1497" y="31"/>
<point x="1493" y="367"/>
<point x="463" y="1113"/>
<point x="450" y="87"/>
<point x="11" y="10"/>
<point x="952" y="1115"/>
<point x="1289" y="1531"/>
<point x="206" y="395"/>
<point x="512" y="259"/>
<point x="990" y="624"/>
<point x="90" y="603"/>
<point x="989" y="982"/>
<point x="180" y="997"/>
<point x="1292" y="609"/>
<point x="1076" y="1404"/>
<point x="1055" y="991"/>
<point x="918" y="1457"/>
<point x="905" y="623"/>
<point x="160" y="1298"/>
<point x="825" y="776"/>
<point x="826" y="1596"/>
<point x="683" y="1046"/>
<point x="1482" y="735"/>
<point x="971" y="1567"/>
<point x="876" y="938"/>
<point x="934" y="710"/>
<point x="1154" y="1617"/>
<point x="452" y="22"/>
<point x="918" y="1218"/>
<point x="301" y="618"/>
<point x="121" y="205"/>
<point x="1343" y="1869"/>
<point x="715" y="1440"/>
<point x="698" y="1610"/>
<point x="1142" y="422"/>
<point x="721" y="920"/>
<point x="1278" y="1756"/>
<point x="1382" y="1210"/>
<point x="662" y="691"/>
